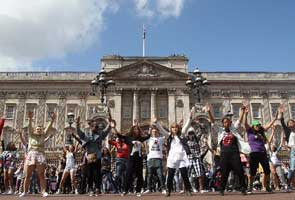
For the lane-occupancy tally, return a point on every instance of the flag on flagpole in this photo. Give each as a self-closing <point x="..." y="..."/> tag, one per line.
<point x="144" y="33"/>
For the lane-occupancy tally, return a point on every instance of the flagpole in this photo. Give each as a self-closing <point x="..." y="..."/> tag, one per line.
<point x="143" y="41"/>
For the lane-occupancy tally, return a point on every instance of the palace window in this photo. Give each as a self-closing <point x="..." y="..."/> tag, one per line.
<point x="145" y="110"/>
<point x="217" y="112"/>
<point x="236" y="109"/>
<point x="162" y="109"/>
<point x="72" y="108"/>
<point x="256" y="113"/>
<point x="10" y="111"/>
<point x="31" y="107"/>
<point x="274" y="109"/>
<point x="92" y="108"/>
<point x="50" y="109"/>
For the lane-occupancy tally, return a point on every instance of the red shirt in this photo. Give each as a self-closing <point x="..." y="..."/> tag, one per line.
<point x="122" y="149"/>
<point x="1" y="125"/>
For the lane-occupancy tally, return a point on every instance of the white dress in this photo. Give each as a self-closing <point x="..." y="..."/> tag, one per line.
<point x="177" y="157"/>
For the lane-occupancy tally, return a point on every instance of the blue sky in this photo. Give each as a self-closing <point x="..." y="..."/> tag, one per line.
<point x="216" y="35"/>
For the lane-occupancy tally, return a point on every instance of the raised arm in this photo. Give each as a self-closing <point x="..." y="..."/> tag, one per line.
<point x="53" y="117"/>
<point x="210" y="115"/>
<point x="21" y="136"/>
<point x="272" y="135"/>
<point x="188" y="122"/>
<point x="80" y="133"/>
<point x="266" y="127"/>
<point x="2" y="121"/>
<point x="246" y="111"/>
<point x="161" y="129"/>
<point x="30" y="126"/>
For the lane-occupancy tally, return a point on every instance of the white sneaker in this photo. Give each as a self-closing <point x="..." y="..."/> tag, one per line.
<point x="76" y="191"/>
<point x="91" y="194"/>
<point x="164" y="192"/>
<point x="10" y="192"/>
<point x="22" y="194"/>
<point x="195" y="190"/>
<point x="146" y="192"/>
<point x="138" y="194"/>
<point x="45" y="194"/>
<point x="181" y="191"/>
<point x="203" y="191"/>
<point x="58" y="191"/>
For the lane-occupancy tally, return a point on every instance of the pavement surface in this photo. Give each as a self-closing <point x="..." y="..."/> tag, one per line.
<point x="159" y="196"/>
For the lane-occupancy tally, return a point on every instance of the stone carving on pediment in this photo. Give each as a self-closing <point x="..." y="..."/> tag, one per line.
<point x="146" y="71"/>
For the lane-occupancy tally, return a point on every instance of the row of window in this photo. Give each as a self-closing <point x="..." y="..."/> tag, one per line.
<point x="127" y="109"/>
<point x="256" y="109"/>
<point x="10" y="110"/>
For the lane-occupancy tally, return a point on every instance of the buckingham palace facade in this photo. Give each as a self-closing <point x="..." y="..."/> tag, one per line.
<point x="146" y="87"/>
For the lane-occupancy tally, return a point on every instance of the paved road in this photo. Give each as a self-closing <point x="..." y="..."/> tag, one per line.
<point x="158" y="196"/>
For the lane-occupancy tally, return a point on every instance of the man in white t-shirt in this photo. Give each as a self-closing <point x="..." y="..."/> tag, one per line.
<point x="155" y="158"/>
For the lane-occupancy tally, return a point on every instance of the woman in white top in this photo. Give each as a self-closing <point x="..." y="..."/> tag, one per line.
<point x="177" y="149"/>
<point x="69" y="169"/>
<point x="276" y="163"/>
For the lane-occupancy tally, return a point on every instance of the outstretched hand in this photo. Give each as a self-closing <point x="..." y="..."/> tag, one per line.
<point x="113" y="124"/>
<point x="207" y="107"/>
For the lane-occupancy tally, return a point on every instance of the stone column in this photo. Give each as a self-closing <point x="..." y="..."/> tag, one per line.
<point x="153" y="103"/>
<point x="135" y="105"/>
<point x="61" y="111"/>
<point x="2" y="103"/>
<point x="186" y="105"/>
<point x="171" y="106"/>
<point x="82" y="106"/>
<point x="41" y="109"/>
<point x="20" y="110"/>
<point x="117" y="107"/>
<point x="266" y="112"/>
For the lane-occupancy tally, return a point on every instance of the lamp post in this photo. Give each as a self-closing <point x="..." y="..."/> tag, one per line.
<point x="70" y="129"/>
<point x="197" y="84"/>
<point x="102" y="83"/>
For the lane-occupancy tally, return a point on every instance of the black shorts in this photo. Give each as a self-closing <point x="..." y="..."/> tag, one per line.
<point x="255" y="159"/>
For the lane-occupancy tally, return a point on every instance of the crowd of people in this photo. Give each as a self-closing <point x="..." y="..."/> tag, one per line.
<point x="100" y="159"/>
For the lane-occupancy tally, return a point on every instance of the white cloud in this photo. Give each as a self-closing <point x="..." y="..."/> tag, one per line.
<point x="32" y="30"/>
<point x="162" y="8"/>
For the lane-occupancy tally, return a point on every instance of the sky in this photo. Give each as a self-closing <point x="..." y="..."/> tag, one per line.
<point x="215" y="35"/>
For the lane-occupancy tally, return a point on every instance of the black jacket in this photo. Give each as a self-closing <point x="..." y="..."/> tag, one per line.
<point x="183" y="141"/>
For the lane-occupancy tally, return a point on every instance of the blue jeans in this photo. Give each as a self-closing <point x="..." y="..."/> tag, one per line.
<point x="155" y="165"/>
<point x="292" y="165"/>
<point x="121" y="172"/>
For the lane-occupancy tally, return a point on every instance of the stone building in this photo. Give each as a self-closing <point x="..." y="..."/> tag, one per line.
<point x="146" y="87"/>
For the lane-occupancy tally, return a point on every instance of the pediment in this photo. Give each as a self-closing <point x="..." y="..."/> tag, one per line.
<point x="146" y="70"/>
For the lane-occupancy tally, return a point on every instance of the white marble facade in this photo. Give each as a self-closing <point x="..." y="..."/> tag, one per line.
<point x="146" y="87"/>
